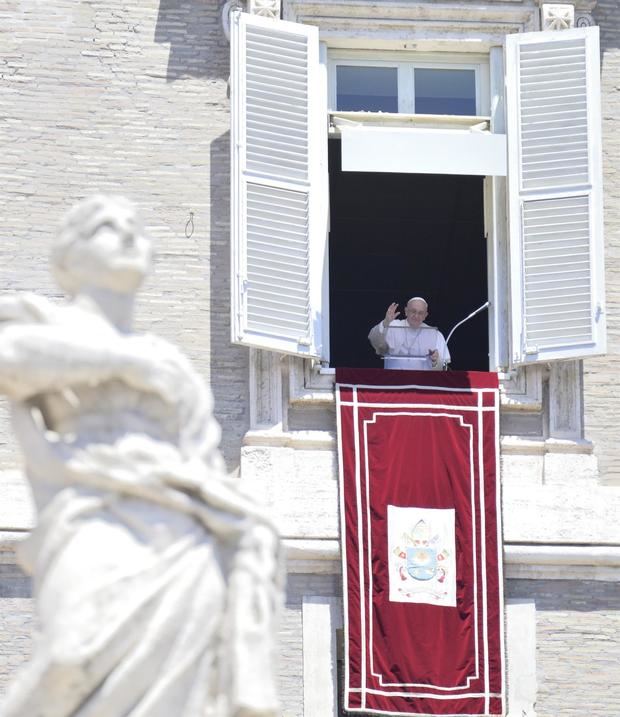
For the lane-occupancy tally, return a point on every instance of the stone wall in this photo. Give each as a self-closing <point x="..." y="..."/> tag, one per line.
<point x="131" y="98"/>
<point x="126" y="98"/>
<point x="144" y="112"/>
<point x="601" y="376"/>
<point x="577" y="640"/>
<point x="577" y="645"/>
<point x="16" y="619"/>
<point x="17" y="623"/>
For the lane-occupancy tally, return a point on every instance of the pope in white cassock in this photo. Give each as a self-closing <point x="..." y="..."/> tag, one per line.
<point x="409" y="342"/>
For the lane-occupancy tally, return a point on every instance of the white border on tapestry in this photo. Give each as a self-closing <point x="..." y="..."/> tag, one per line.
<point x="483" y="557"/>
<point x="500" y="556"/>
<point x="401" y="387"/>
<point x="343" y="544"/>
<point x="474" y="562"/>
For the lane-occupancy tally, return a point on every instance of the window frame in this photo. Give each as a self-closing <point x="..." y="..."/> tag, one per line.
<point x="479" y="63"/>
<point x="490" y="103"/>
<point x="502" y="311"/>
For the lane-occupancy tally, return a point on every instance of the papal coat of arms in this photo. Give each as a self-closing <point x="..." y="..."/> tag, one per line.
<point x="422" y="556"/>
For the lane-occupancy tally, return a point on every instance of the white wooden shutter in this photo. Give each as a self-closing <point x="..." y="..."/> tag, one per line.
<point x="555" y="195"/>
<point x="279" y="186"/>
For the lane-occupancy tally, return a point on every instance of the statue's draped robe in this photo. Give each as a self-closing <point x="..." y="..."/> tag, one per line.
<point x="156" y="581"/>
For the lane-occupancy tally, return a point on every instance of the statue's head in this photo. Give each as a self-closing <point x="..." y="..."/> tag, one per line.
<point x="102" y="244"/>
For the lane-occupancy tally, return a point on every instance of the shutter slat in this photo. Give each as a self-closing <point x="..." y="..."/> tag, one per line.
<point x="539" y="82"/>
<point x="551" y="307"/>
<point x="294" y="129"/>
<point x="545" y="143"/>
<point x="258" y="50"/>
<point x="274" y="250"/>
<point x="258" y="89"/>
<point x="553" y="273"/>
<point x="287" y="70"/>
<point x="536" y="152"/>
<point x="294" y="110"/>
<point x="550" y="242"/>
<point x="263" y="271"/>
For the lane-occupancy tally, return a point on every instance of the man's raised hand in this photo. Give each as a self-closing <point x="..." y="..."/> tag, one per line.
<point x="391" y="313"/>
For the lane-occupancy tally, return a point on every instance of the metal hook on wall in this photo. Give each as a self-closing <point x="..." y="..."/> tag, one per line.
<point x="189" y="227"/>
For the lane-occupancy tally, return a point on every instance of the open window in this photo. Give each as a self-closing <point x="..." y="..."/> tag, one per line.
<point x="392" y="234"/>
<point x="280" y="180"/>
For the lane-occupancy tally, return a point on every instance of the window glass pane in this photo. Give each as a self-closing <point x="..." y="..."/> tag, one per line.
<point x="370" y="89"/>
<point x="445" y="92"/>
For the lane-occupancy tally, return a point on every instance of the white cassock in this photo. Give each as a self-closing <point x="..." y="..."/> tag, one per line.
<point x="406" y="347"/>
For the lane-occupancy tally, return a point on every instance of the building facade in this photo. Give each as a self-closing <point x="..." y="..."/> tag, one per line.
<point x="142" y="101"/>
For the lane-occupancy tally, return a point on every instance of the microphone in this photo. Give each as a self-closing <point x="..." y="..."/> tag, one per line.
<point x="467" y="318"/>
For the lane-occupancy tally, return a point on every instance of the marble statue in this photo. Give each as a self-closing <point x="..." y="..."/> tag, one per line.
<point x="156" y="581"/>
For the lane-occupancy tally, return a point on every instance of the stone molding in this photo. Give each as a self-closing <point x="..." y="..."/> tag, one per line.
<point x="584" y="19"/>
<point x="278" y="381"/>
<point x="265" y="8"/>
<point x="557" y="17"/>
<point x="420" y="26"/>
<point x="517" y="445"/>
<point x="554" y="562"/>
<point x="266" y="399"/>
<point x="431" y="26"/>
<point x="570" y="562"/>
<point x="305" y="440"/>
<point x="309" y="384"/>
<point x="521" y="389"/>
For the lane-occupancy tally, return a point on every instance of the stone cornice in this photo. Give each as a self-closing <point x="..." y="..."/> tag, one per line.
<point x="423" y="25"/>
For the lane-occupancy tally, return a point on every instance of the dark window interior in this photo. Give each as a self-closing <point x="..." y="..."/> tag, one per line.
<point x="393" y="236"/>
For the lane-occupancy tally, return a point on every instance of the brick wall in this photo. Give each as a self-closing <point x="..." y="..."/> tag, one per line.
<point x="577" y="645"/>
<point x="126" y="98"/>
<point x="144" y="112"/>
<point x="17" y="623"/>
<point x="290" y="667"/>
<point x="16" y="619"/>
<point x="601" y="376"/>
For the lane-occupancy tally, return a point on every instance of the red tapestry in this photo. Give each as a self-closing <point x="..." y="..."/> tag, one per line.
<point x="422" y="539"/>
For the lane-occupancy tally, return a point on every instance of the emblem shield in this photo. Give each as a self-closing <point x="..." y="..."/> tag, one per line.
<point x="421" y="562"/>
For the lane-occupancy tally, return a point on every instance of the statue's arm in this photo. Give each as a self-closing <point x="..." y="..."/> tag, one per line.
<point x="36" y="358"/>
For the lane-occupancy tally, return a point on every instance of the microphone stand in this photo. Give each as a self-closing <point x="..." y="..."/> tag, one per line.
<point x="462" y="321"/>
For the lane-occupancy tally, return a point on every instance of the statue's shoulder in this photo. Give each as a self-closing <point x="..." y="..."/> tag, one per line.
<point x="158" y="347"/>
<point x="27" y="308"/>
